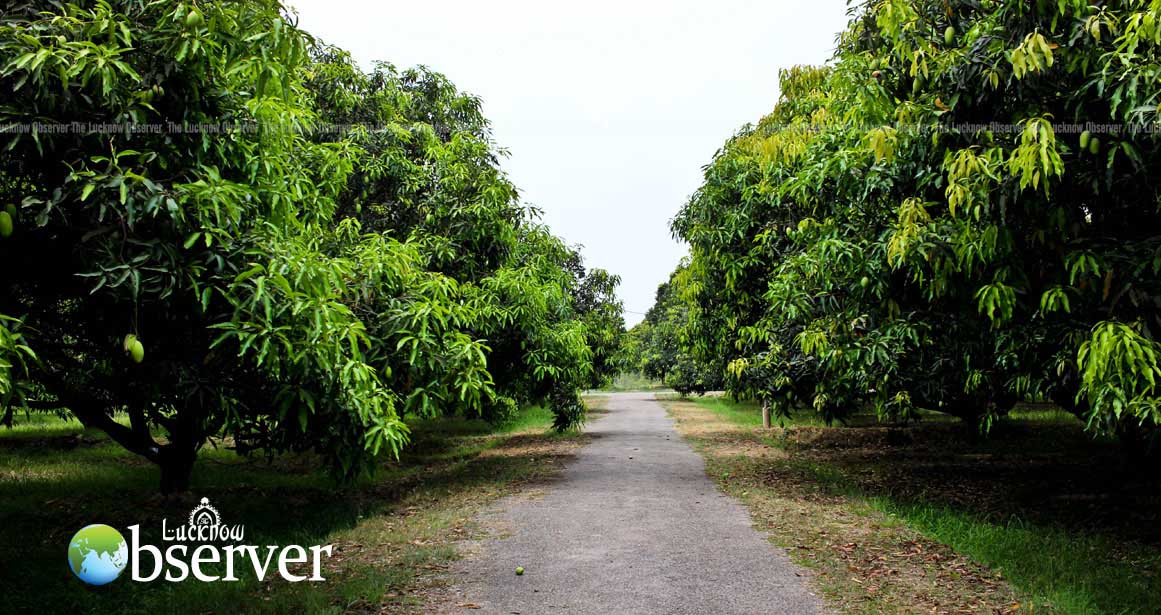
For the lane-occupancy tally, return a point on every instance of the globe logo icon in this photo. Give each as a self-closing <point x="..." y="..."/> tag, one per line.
<point x="98" y="554"/>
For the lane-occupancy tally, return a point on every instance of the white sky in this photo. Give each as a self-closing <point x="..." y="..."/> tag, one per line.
<point x="609" y="109"/>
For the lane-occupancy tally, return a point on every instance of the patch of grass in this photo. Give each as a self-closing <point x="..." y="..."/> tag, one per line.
<point x="36" y="425"/>
<point x="748" y="413"/>
<point x="632" y="381"/>
<point x="1072" y="573"/>
<point x="392" y="533"/>
<point x="534" y="418"/>
<point x="905" y="519"/>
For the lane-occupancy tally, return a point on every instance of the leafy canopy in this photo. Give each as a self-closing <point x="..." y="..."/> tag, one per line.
<point x="304" y="251"/>
<point x="956" y="213"/>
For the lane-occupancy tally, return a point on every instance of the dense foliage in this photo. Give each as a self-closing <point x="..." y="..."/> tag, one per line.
<point x="657" y="346"/>
<point x="960" y="211"/>
<point x="217" y="226"/>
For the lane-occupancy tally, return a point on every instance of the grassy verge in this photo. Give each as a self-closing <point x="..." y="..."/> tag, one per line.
<point x="1037" y="518"/>
<point x="391" y="533"/>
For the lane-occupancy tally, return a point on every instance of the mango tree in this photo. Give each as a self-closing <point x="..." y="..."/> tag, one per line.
<point x="662" y="338"/>
<point x="197" y="252"/>
<point x="428" y="174"/>
<point x="955" y="214"/>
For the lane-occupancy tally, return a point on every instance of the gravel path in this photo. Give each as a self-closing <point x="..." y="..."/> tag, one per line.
<point x="633" y="526"/>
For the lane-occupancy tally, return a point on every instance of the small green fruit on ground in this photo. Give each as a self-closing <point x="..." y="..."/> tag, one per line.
<point x="5" y="224"/>
<point x="949" y="35"/>
<point x="519" y="570"/>
<point x="1084" y="139"/>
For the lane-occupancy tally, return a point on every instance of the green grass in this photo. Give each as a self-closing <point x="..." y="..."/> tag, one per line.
<point x="42" y="425"/>
<point x="391" y="530"/>
<point x="747" y="413"/>
<point x="1073" y="573"/>
<point x="535" y="417"/>
<point x="632" y="381"/>
<point x="1053" y="562"/>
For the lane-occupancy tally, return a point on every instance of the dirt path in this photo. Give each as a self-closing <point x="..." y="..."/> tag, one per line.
<point x="632" y="526"/>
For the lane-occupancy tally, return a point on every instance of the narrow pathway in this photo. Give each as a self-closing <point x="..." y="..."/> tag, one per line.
<point x="633" y="526"/>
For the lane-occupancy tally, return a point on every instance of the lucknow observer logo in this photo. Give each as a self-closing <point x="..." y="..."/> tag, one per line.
<point x="98" y="554"/>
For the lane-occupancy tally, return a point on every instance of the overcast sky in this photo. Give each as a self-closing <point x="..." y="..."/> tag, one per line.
<point x="609" y="108"/>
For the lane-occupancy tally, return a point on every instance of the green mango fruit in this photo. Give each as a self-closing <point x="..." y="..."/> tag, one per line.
<point x="1094" y="145"/>
<point x="194" y="19"/>
<point x="137" y="351"/>
<point x="949" y="35"/>
<point x="5" y="224"/>
<point x="1084" y="139"/>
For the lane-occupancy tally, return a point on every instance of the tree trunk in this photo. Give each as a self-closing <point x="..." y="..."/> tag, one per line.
<point x="765" y="414"/>
<point x="176" y="459"/>
<point x="176" y="463"/>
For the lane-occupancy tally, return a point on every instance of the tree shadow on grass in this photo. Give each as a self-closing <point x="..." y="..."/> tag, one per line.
<point x="1047" y="473"/>
<point x="1066" y="517"/>
<point x="48" y="493"/>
